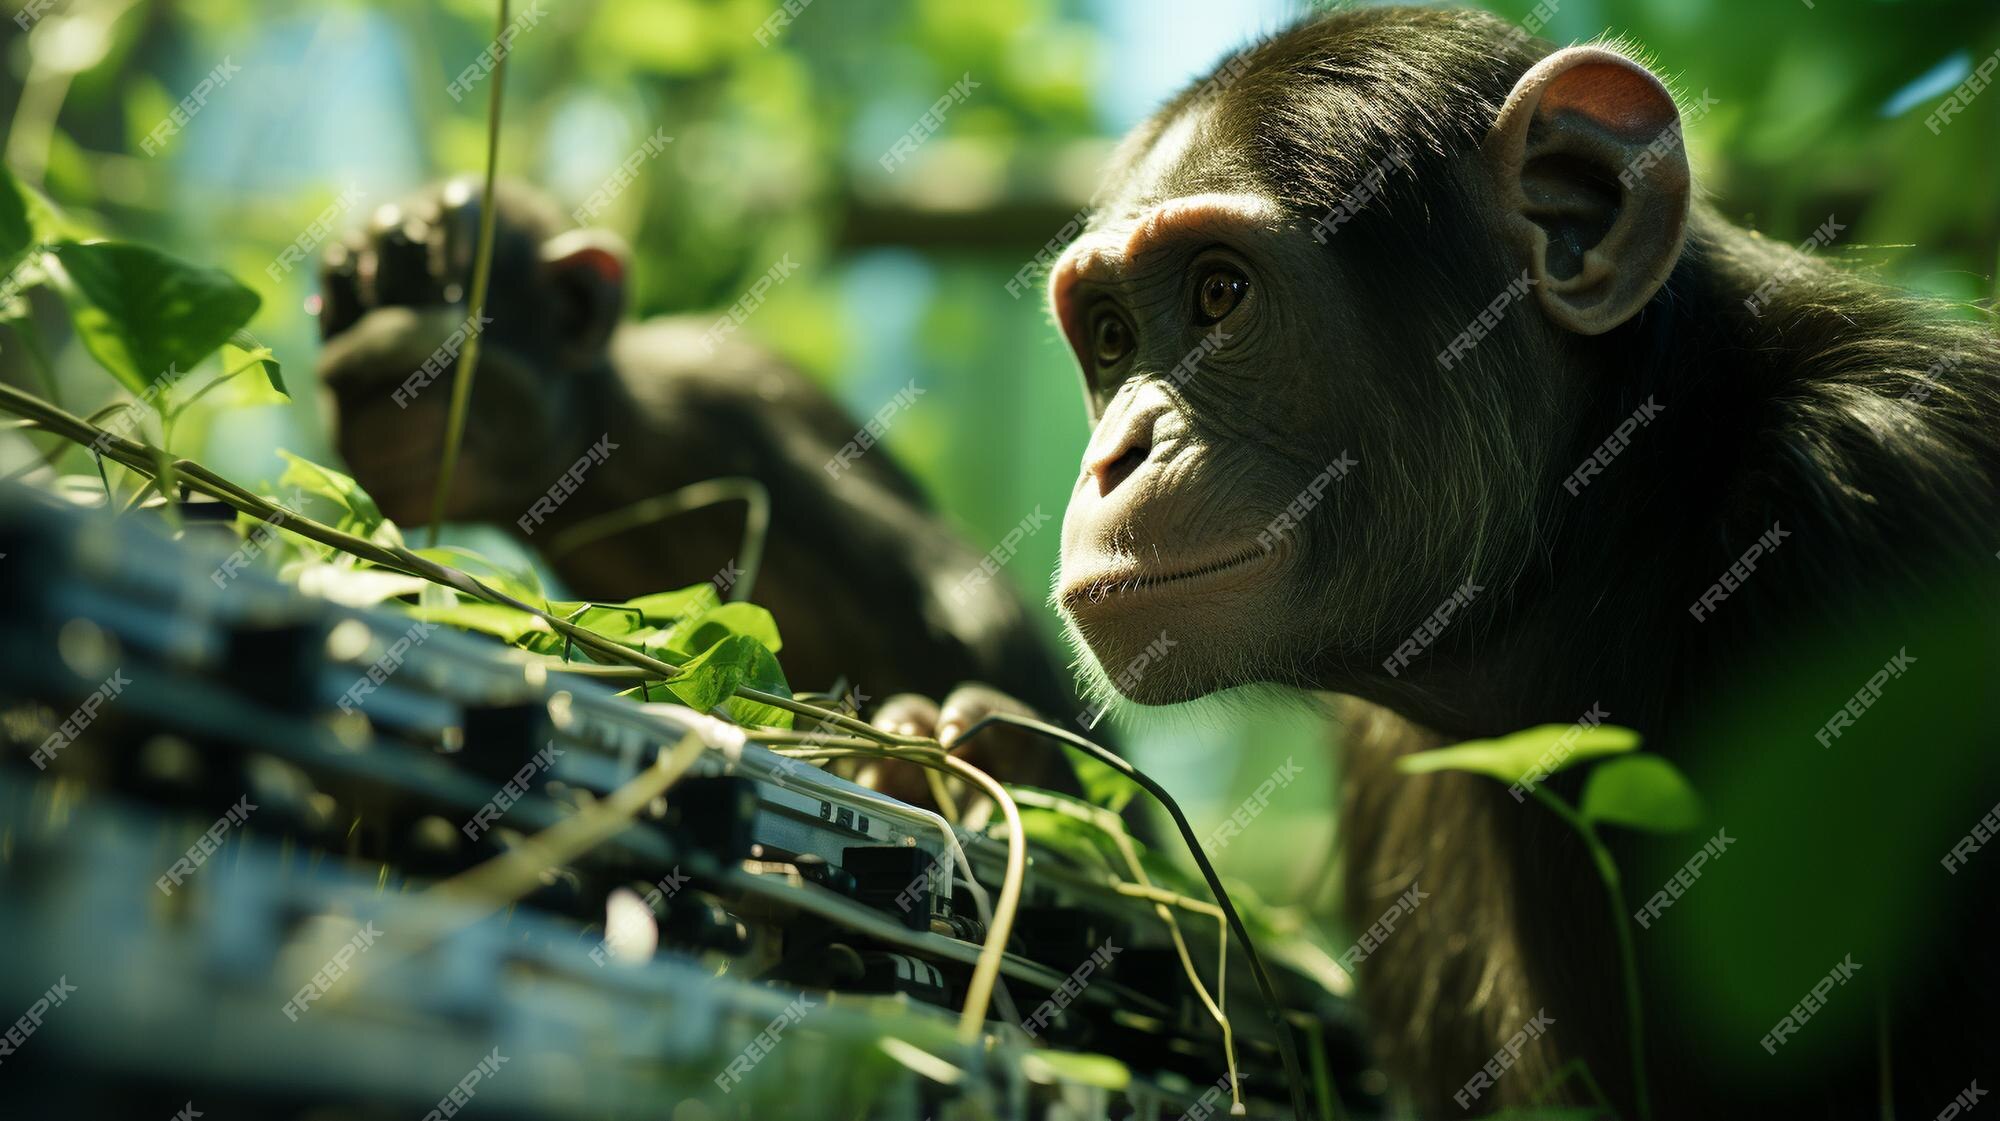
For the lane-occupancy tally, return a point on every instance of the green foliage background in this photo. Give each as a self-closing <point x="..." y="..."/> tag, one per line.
<point x="1819" y="109"/>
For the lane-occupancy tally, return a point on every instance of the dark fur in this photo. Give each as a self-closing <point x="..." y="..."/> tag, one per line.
<point x="859" y="570"/>
<point x="1797" y="416"/>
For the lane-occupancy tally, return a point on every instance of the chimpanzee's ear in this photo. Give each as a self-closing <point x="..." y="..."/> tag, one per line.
<point x="586" y="273"/>
<point x="1593" y="184"/>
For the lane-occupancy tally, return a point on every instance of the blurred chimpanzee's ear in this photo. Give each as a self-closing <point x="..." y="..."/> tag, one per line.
<point x="586" y="272"/>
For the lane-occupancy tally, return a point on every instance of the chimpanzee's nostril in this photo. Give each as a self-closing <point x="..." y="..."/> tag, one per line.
<point x="1116" y="470"/>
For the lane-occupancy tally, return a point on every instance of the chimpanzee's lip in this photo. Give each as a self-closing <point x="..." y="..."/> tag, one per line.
<point x="1135" y="580"/>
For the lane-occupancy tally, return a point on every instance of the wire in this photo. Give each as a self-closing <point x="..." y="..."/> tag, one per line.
<point x="1287" y="1049"/>
<point x="986" y="972"/>
<point x="1141" y="887"/>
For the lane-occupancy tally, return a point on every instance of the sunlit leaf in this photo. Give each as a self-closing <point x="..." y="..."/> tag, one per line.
<point x="694" y="635"/>
<point x="244" y="347"/>
<point x="1531" y="753"/>
<point x="664" y="609"/>
<point x="144" y="315"/>
<point x="1641" y="792"/>
<point x="711" y="677"/>
<point x="358" y="511"/>
<point x="508" y="624"/>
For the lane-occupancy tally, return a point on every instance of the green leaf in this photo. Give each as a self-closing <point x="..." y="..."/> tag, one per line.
<point x="766" y="675"/>
<point x="664" y="609"/>
<point x="508" y="624"/>
<point x="1101" y="1071"/>
<point x="1641" y="792"/>
<point x="250" y="350"/>
<point x="17" y="235"/>
<point x="712" y="677"/>
<point x="1102" y="785"/>
<point x="145" y="315"/>
<point x="358" y="511"/>
<point x="1533" y="753"/>
<point x="514" y="582"/>
<point x="694" y="635"/>
<point x="619" y="621"/>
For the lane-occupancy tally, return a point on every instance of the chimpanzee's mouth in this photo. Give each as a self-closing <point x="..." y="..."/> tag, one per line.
<point x="1135" y="580"/>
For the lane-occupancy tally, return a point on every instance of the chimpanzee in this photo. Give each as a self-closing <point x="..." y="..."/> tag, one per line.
<point x="1422" y="374"/>
<point x="867" y="581"/>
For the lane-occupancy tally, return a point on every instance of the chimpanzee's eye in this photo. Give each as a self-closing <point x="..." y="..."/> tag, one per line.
<point x="1110" y="339"/>
<point x="1220" y="290"/>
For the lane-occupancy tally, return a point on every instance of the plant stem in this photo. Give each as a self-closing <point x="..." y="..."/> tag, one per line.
<point x="482" y="268"/>
<point x="144" y="458"/>
<point x="1628" y="958"/>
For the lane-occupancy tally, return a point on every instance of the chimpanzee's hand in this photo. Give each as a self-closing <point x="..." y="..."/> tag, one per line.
<point x="1009" y="754"/>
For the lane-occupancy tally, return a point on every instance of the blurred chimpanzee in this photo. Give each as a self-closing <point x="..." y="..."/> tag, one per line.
<point x="1421" y="374"/>
<point x="867" y="581"/>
